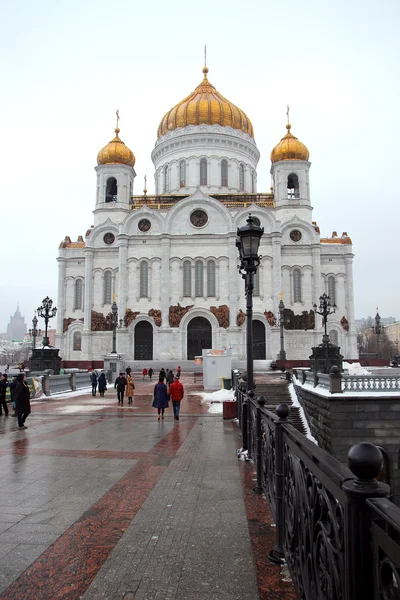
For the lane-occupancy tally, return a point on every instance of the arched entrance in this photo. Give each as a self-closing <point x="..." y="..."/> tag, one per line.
<point x="199" y="336"/>
<point x="143" y="341"/>
<point x="259" y="349"/>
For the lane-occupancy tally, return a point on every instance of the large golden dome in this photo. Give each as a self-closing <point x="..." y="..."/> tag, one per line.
<point x="205" y="105"/>
<point x="116" y="152"/>
<point x="289" y="148"/>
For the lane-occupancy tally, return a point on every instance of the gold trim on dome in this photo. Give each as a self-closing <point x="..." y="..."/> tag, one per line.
<point x="289" y="148"/>
<point x="205" y="106"/>
<point x="116" y="152"/>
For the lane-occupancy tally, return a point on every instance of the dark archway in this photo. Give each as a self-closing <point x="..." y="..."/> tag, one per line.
<point x="111" y="190"/>
<point x="199" y="337"/>
<point x="259" y="349"/>
<point x="143" y="341"/>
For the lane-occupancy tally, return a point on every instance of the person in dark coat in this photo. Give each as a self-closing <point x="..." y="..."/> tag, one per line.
<point x="161" y="375"/>
<point x="170" y="378"/>
<point x="102" y="384"/>
<point x="93" y="379"/>
<point x="3" y="389"/>
<point x="120" y="385"/>
<point x="22" y="400"/>
<point x="13" y="387"/>
<point x="151" y="371"/>
<point x="160" y="397"/>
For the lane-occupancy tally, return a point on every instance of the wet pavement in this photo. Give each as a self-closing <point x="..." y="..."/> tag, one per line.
<point x="101" y="501"/>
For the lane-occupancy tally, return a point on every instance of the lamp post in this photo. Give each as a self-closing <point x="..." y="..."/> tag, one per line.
<point x="248" y="242"/>
<point x="378" y="330"/>
<point x="34" y="332"/>
<point x="325" y="309"/>
<point x="47" y="312"/>
<point x="114" y="322"/>
<point x="282" y="352"/>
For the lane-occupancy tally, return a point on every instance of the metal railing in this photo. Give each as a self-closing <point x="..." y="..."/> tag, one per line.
<point x="335" y="527"/>
<point x="338" y="382"/>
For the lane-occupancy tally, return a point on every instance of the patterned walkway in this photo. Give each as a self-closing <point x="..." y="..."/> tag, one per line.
<point x="106" y="502"/>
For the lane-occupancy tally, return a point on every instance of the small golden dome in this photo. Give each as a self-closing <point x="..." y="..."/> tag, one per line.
<point x="116" y="152"/>
<point x="289" y="148"/>
<point x="205" y="105"/>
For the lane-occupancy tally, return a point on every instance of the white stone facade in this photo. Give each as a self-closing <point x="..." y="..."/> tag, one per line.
<point x="178" y="250"/>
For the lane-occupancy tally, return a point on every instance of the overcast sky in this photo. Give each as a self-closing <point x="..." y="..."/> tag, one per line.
<point x="67" y="66"/>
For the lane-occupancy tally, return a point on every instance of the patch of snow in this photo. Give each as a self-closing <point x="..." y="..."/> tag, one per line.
<point x="355" y="369"/>
<point x="218" y="396"/>
<point x="243" y="454"/>
<point x="79" y="408"/>
<point x="295" y="402"/>
<point x="215" y="408"/>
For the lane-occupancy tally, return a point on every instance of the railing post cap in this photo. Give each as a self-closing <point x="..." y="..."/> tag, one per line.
<point x="251" y="393"/>
<point x="282" y="410"/>
<point x="365" y="461"/>
<point x="261" y="400"/>
<point x="335" y="370"/>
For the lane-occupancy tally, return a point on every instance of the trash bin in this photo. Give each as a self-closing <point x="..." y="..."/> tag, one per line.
<point x="229" y="409"/>
<point x="227" y="383"/>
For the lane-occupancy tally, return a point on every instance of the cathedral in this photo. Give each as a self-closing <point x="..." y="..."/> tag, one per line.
<point x="170" y="261"/>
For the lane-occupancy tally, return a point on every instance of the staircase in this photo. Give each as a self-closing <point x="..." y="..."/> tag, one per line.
<point x="277" y="392"/>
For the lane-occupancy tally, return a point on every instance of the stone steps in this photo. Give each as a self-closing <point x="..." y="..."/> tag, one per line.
<point x="277" y="392"/>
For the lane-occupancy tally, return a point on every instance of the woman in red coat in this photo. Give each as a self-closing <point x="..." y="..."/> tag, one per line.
<point x="176" y="394"/>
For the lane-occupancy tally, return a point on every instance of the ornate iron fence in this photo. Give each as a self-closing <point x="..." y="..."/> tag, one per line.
<point x="335" y="527"/>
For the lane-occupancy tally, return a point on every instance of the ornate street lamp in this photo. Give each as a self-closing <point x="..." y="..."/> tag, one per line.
<point x="34" y="332"/>
<point x="378" y="330"/>
<point x="325" y="309"/>
<point x="47" y="312"/>
<point x="282" y="352"/>
<point x="114" y="322"/>
<point x="248" y="242"/>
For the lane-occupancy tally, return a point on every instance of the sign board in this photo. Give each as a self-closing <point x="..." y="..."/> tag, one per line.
<point x="217" y="352"/>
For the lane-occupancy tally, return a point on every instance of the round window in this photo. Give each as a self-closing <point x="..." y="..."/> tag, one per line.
<point x="144" y="225"/>
<point x="198" y="218"/>
<point x="295" y="235"/>
<point x="109" y="238"/>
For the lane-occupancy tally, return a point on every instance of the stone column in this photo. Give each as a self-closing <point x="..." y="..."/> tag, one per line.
<point x="233" y="280"/>
<point x="61" y="301"/>
<point x="165" y="281"/>
<point x="87" y="314"/>
<point x="276" y="271"/>
<point x="123" y="276"/>
<point x="352" y="333"/>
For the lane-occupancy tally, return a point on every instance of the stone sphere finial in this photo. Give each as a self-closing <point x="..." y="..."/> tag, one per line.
<point x="365" y="461"/>
<point x="335" y="369"/>
<point x="261" y="400"/>
<point x="282" y="410"/>
<point x="251" y="393"/>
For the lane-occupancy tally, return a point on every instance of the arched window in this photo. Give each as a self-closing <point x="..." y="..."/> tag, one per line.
<point x="144" y="280"/>
<point x="332" y="289"/>
<point x="203" y="171"/>
<point x="77" y="341"/>
<point x="241" y="178"/>
<point x="224" y="173"/>
<point x="166" y="180"/>
<point x="107" y="291"/>
<point x="187" y="278"/>
<point x="78" y="294"/>
<point x="256" y="282"/>
<point x="253" y="182"/>
<point x="111" y="190"/>
<point x="333" y="337"/>
<point x="182" y="174"/>
<point x="198" y="278"/>
<point x="293" y="190"/>
<point x="211" y="279"/>
<point x="296" y="285"/>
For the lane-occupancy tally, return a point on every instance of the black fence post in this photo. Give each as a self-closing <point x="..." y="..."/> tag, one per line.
<point x="365" y="461"/>
<point x="250" y="396"/>
<point x="277" y="555"/>
<point x="261" y="402"/>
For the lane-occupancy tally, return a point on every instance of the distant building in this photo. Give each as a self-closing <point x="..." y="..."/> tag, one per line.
<point x="16" y="329"/>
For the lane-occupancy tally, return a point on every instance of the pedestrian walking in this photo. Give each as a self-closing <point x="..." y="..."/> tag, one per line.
<point x="22" y="400"/>
<point x="130" y="388"/>
<point x="3" y="390"/>
<point x="13" y="387"/>
<point x="160" y="397"/>
<point x="120" y="385"/>
<point x="128" y="370"/>
<point x="162" y="374"/>
<point x="102" y="383"/>
<point x="93" y="379"/>
<point x="176" y="393"/>
<point x="144" y="373"/>
<point x="170" y="377"/>
<point x="178" y="372"/>
<point x="151" y="373"/>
